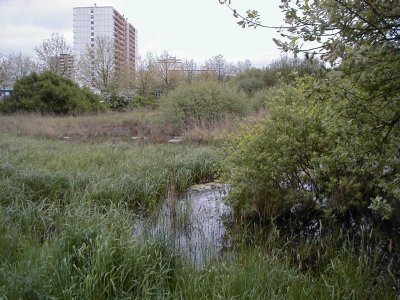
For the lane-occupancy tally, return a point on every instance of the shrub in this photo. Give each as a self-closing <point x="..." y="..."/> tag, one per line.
<point x="250" y="81"/>
<point x="266" y="160"/>
<point x="203" y="103"/>
<point x="145" y="101"/>
<point x="116" y="101"/>
<point x="49" y="93"/>
<point x="313" y="148"/>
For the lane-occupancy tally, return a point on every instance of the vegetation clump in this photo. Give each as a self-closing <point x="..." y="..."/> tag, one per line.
<point x="49" y="93"/>
<point x="203" y="103"/>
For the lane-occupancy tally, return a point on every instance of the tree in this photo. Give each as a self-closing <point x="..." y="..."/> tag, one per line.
<point x="146" y="75"/>
<point x="50" y="51"/>
<point x="96" y="67"/>
<point x="13" y="67"/>
<point x="337" y="27"/>
<point x="250" y="81"/>
<point x="242" y="66"/>
<point x="5" y="74"/>
<point x="351" y="159"/>
<point x="219" y="66"/>
<point x="170" y="69"/>
<point x="189" y="67"/>
<point x="21" y="65"/>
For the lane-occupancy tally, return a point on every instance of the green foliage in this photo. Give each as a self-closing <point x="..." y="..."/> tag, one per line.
<point x="66" y="231"/>
<point x="307" y="151"/>
<point x="337" y="28"/>
<point x="48" y="93"/>
<point x="268" y="162"/>
<point x="57" y="172"/>
<point x="287" y="70"/>
<point x="250" y="81"/>
<point x="254" y="274"/>
<point x="333" y="140"/>
<point x="116" y="101"/>
<point x="283" y="70"/>
<point x="381" y="206"/>
<point x="145" y="101"/>
<point x="203" y="103"/>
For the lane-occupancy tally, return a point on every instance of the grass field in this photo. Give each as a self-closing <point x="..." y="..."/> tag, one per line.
<point x="66" y="214"/>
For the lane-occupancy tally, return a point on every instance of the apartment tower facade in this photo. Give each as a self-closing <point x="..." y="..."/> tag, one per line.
<point x="104" y="21"/>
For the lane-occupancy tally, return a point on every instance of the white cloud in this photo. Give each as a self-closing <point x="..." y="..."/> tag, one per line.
<point x="186" y="28"/>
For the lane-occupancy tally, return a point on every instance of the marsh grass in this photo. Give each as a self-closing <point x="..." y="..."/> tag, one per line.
<point x="67" y="211"/>
<point x="139" y="175"/>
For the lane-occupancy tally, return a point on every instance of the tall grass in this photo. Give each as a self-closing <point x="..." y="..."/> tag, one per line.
<point x="253" y="274"/>
<point x="66" y="231"/>
<point x="61" y="172"/>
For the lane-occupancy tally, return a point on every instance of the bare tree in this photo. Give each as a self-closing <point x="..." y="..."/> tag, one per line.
<point x="219" y="66"/>
<point x="5" y="74"/>
<point x="170" y="69"/>
<point x="146" y="74"/>
<point x="49" y="53"/>
<point x="21" y="65"/>
<point x="190" y="68"/>
<point x="96" y="67"/>
<point x="242" y="66"/>
<point x="13" y="67"/>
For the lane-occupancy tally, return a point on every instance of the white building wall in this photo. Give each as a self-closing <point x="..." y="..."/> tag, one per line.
<point x="92" y="22"/>
<point x="89" y="23"/>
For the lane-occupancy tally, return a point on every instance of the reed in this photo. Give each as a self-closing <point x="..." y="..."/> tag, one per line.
<point x="67" y="211"/>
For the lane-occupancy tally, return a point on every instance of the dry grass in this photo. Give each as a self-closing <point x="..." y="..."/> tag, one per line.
<point x="141" y="124"/>
<point x="110" y="125"/>
<point x="217" y="132"/>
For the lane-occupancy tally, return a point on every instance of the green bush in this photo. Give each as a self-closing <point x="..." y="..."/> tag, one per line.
<point x="314" y="147"/>
<point x="250" y="81"/>
<point x="48" y="93"/>
<point x="116" y="101"/>
<point x="266" y="160"/>
<point x="145" y="101"/>
<point x="203" y="102"/>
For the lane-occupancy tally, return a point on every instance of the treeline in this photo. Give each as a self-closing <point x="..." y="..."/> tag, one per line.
<point x="42" y="90"/>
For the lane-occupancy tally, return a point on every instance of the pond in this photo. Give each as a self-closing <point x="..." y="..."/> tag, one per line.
<point x="194" y="224"/>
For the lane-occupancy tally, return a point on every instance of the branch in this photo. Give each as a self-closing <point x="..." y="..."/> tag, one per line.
<point x="251" y="20"/>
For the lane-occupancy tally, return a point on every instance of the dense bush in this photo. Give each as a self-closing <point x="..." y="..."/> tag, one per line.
<point x="116" y="101"/>
<point x="48" y="93"/>
<point x="145" y="101"/>
<point x="203" y="102"/>
<point x="287" y="70"/>
<point x="313" y="151"/>
<point x="250" y="81"/>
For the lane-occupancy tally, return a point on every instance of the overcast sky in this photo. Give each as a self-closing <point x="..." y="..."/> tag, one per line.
<point x="198" y="29"/>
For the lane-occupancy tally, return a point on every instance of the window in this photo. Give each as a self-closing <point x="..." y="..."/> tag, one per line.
<point x="92" y="39"/>
<point x="92" y="28"/>
<point x="92" y="17"/>
<point x="92" y="22"/>
<point x="92" y="11"/>
<point x="92" y="34"/>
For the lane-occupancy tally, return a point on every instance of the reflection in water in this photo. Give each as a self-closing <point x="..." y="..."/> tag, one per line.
<point x="193" y="224"/>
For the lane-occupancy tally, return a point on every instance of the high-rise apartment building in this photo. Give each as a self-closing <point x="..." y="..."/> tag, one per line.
<point x="93" y="22"/>
<point x="66" y="65"/>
